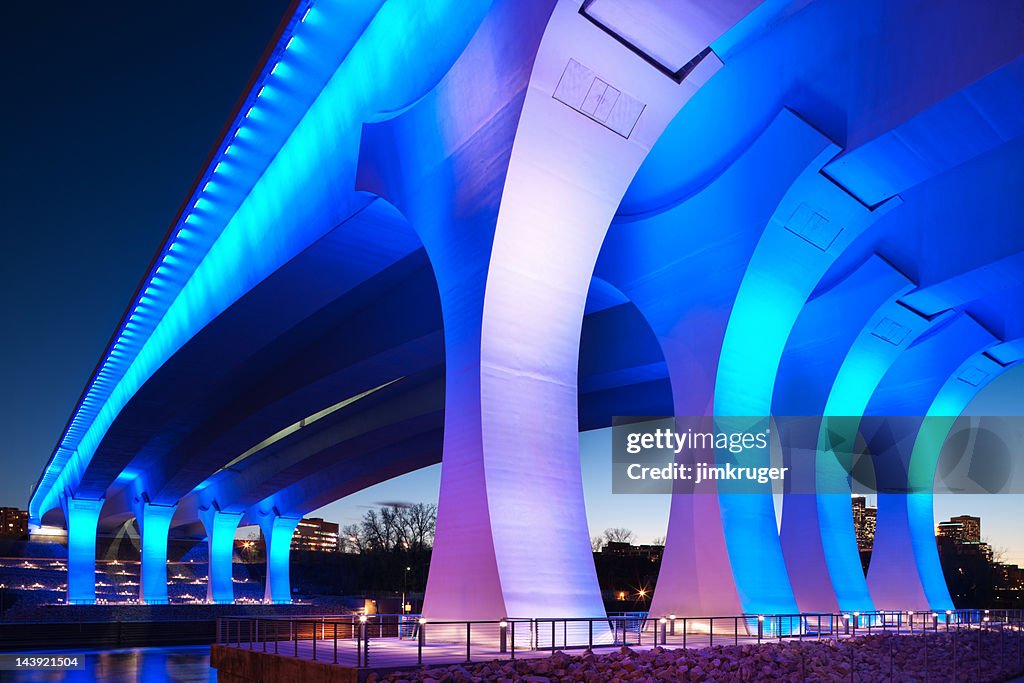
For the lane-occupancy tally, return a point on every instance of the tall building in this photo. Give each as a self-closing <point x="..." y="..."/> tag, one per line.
<point x="315" y="534"/>
<point x="864" y="518"/>
<point x="961" y="529"/>
<point x="13" y="522"/>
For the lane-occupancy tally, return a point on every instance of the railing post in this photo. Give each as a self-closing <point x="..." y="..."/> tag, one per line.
<point x="513" y="638"/>
<point x="735" y="630"/>
<point x="366" y="641"/>
<point x="294" y="629"/>
<point x="312" y="633"/>
<point x="335" y="629"/>
<point x="503" y="636"/>
<point x="590" y="634"/>
<point x="955" y="663"/>
<point x="892" y="661"/>
<point x="684" y="633"/>
<point x="419" y="644"/>
<point x="277" y="634"/>
<point x="469" y="638"/>
<point x="711" y="631"/>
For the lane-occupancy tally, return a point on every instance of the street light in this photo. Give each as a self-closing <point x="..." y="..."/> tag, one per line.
<point x="405" y="589"/>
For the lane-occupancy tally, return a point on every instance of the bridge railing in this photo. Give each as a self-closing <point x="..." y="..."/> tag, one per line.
<point x="385" y="640"/>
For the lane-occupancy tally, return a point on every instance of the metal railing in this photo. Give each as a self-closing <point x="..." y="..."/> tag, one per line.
<point x="954" y="638"/>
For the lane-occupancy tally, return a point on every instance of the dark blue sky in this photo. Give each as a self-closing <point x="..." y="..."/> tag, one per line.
<point x="108" y="111"/>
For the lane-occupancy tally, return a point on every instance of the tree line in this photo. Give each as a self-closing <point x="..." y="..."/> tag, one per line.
<point x="397" y="527"/>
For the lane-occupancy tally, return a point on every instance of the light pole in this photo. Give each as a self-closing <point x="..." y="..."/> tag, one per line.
<point x="405" y="587"/>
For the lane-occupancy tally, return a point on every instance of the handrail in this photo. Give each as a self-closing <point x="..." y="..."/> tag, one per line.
<point x="408" y="639"/>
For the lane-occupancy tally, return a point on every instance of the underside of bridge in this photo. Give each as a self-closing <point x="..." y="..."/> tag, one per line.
<point x="462" y="232"/>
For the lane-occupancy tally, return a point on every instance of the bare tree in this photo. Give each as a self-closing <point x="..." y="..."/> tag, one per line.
<point x="660" y="540"/>
<point x="618" y="535"/>
<point x="352" y="539"/>
<point x="418" y="523"/>
<point x="393" y="527"/>
<point x="596" y="543"/>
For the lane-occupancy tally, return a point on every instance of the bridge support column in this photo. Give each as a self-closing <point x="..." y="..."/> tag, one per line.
<point x="512" y="331"/>
<point x="82" y="517"/>
<point x="220" y="538"/>
<point x="814" y="222"/>
<point x="277" y="535"/>
<point x="154" y="525"/>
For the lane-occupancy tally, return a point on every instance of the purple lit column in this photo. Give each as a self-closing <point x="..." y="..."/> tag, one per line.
<point x="513" y="241"/>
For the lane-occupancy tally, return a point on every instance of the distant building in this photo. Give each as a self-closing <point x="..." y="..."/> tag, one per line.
<point x="1012" y="575"/>
<point x="864" y="520"/>
<point x="961" y="529"/>
<point x="315" y="534"/>
<point x="648" y="552"/>
<point x="13" y="523"/>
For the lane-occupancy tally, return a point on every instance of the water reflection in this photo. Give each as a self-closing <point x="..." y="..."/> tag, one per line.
<point x="150" y="664"/>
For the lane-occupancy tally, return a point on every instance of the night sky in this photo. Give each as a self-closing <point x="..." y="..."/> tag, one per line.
<point x="109" y="110"/>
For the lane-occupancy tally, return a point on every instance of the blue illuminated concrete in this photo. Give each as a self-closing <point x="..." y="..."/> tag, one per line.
<point x="293" y="201"/>
<point x="647" y="256"/>
<point x="82" y="516"/>
<point x="886" y="335"/>
<point x="154" y="525"/>
<point x="820" y="374"/>
<point x="894" y="577"/>
<point x="220" y="542"/>
<point x="418" y="146"/>
<point x="813" y="223"/>
<point x="960" y="388"/>
<point x="277" y="535"/>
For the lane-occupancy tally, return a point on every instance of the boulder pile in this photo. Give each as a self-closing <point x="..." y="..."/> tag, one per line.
<point x="969" y="655"/>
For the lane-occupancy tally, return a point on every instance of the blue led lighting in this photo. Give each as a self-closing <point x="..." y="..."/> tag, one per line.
<point x="277" y="534"/>
<point x="220" y="539"/>
<point x="248" y="234"/>
<point x="154" y="525"/>
<point x="82" y="517"/>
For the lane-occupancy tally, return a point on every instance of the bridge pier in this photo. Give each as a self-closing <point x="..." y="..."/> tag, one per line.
<point x="220" y="538"/>
<point x="949" y="403"/>
<point x="277" y="535"/>
<point x="154" y="525"/>
<point x="512" y="332"/>
<point x="82" y="516"/>
<point x="895" y="577"/>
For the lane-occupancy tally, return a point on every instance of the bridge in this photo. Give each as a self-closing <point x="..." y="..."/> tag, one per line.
<point x="462" y="232"/>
